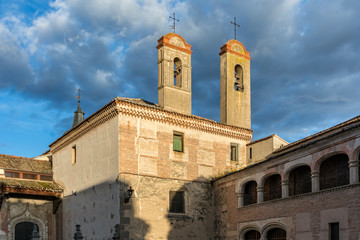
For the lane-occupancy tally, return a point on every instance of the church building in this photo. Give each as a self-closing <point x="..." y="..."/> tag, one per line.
<point x="156" y="171"/>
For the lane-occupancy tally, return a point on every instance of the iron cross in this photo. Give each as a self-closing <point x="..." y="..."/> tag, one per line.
<point x="235" y="25"/>
<point x="78" y="95"/>
<point x="173" y="26"/>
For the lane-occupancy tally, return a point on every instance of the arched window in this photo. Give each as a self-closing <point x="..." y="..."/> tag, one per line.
<point x="23" y="230"/>
<point x="300" y="180"/>
<point x="252" y="235"/>
<point x="177" y="72"/>
<point x="239" y="82"/>
<point x="276" y="234"/>
<point x="250" y="193"/>
<point x="272" y="187"/>
<point x="334" y="171"/>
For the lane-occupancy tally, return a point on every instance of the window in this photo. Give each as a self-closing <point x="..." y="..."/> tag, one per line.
<point x="250" y="193"/>
<point x="252" y="235"/>
<point x="234" y="149"/>
<point x="177" y="202"/>
<point x="334" y="231"/>
<point x="178" y="142"/>
<point x="12" y="174"/>
<point x="300" y="181"/>
<point x="29" y="176"/>
<point x="45" y="177"/>
<point x="73" y="154"/>
<point x="334" y="171"/>
<point x="272" y="187"/>
<point x="276" y="234"/>
<point x="250" y="153"/>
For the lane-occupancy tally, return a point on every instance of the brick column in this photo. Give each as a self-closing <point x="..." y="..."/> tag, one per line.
<point x="260" y="194"/>
<point x="285" y="188"/>
<point x="354" y="171"/>
<point x="240" y="197"/>
<point x="315" y="181"/>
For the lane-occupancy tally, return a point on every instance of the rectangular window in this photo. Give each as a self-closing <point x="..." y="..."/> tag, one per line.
<point x="177" y="202"/>
<point x="334" y="231"/>
<point x="178" y="142"/>
<point x="45" y="177"/>
<point x="12" y="174"/>
<point x="250" y="153"/>
<point x="234" y="149"/>
<point x="29" y="176"/>
<point x="73" y="154"/>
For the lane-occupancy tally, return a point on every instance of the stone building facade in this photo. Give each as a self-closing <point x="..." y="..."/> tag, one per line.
<point x="306" y="190"/>
<point x="159" y="172"/>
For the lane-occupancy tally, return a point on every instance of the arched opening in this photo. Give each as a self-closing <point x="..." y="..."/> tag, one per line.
<point x="276" y="234"/>
<point x="239" y="82"/>
<point x="272" y="187"/>
<point x="334" y="171"/>
<point x="252" y="235"/>
<point x="23" y="230"/>
<point x="250" y="193"/>
<point x="300" y="180"/>
<point x="177" y="72"/>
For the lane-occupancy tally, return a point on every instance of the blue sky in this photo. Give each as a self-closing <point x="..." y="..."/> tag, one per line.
<point x="305" y="67"/>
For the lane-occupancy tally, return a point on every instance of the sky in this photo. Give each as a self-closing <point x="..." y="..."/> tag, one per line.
<point x="305" y="67"/>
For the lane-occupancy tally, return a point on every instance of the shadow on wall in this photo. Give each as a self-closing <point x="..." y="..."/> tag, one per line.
<point x="190" y="211"/>
<point x="98" y="209"/>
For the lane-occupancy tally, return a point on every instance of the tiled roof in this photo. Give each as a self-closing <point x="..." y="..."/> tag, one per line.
<point x="24" y="164"/>
<point x="28" y="184"/>
<point x="344" y="126"/>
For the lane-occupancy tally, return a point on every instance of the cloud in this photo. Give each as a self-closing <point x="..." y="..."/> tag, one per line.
<point x="305" y="56"/>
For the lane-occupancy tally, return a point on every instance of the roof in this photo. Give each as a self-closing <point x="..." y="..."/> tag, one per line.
<point x="339" y="128"/>
<point x="140" y="107"/>
<point x="261" y="139"/>
<point x="29" y="187"/>
<point x="24" y="164"/>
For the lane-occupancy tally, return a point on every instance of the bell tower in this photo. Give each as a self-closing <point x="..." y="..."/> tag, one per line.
<point x="174" y="73"/>
<point x="235" y="107"/>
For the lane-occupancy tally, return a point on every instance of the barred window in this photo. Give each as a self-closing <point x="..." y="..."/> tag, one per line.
<point x="12" y="174"/>
<point x="177" y="202"/>
<point x="29" y="176"/>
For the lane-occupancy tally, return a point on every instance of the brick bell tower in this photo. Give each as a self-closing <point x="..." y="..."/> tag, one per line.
<point x="235" y="106"/>
<point x="174" y="73"/>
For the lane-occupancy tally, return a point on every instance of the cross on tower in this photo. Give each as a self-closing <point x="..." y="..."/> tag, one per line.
<point x="173" y="26"/>
<point x="235" y="25"/>
<point x="78" y="95"/>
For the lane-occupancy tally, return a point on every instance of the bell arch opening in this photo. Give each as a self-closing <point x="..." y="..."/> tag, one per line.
<point x="177" y="72"/>
<point x="239" y="80"/>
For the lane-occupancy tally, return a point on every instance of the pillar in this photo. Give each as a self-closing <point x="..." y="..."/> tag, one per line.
<point x="315" y="181"/>
<point x="285" y="188"/>
<point x="260" y="194"/>
<point x="354" y="171"/>
<point x="240" y="197"/>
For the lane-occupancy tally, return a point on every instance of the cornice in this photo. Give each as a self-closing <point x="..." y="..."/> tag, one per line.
<point x="129" y="107"/>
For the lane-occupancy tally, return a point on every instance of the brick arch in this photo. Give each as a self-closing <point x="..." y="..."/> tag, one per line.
<point x="290" y="169"/>
<point x="317" y="162"/>
<point x="266" y="176"/>
<point x="270" y="226"/>
<point x="246" y="181"/>
<point x="246" y="229"/>
<point x="28" y="217"/>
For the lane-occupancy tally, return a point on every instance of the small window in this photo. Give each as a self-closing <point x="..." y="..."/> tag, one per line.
<point x="73" y="154"/>
<point x="177" y="202"/>
<point x="250" y="153"/>
<point x="29" y="176"/>
<point x="334" y="231"/>
<point x="45" y="177"/>
<point x="234" y="149"/>
<point x="178" y="142"/>
<point x="12" y="174"/>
